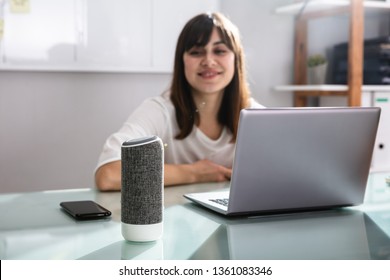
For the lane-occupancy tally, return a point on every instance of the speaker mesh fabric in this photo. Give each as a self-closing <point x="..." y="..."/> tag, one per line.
<point x="142" y="184"/>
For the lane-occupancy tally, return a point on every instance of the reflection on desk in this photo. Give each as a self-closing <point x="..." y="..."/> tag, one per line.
<point x="336" y="234"/>
<point x="32" y="226"/>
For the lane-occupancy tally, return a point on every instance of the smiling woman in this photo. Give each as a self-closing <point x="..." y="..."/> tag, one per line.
<point x="197" y="118"/>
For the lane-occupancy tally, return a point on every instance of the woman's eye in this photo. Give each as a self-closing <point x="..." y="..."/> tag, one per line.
<point x="195" y="52"/>
<point x="220" y="51"/>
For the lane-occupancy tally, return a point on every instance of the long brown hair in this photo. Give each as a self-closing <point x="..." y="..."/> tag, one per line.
<point x="197" y="32"/>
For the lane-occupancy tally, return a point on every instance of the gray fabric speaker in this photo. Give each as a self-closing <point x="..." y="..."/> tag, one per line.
<point x="142" y="194"/>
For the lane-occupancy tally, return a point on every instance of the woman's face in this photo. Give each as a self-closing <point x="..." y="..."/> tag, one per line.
<point x="209" y="69"/>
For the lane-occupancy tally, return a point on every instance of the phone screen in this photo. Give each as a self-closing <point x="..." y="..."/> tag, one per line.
<point x="85" y="209"/>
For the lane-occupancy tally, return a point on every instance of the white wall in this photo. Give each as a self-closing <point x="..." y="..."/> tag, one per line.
<point x="53" y="125"/>
<point x="268" y="42"/>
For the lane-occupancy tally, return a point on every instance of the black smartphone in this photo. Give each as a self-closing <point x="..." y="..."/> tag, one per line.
<point x="85" y="210"/>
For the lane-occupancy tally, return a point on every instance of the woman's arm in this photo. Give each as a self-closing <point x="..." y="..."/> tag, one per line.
<point x="108" y="176"/>
<point x="199" y="172"/>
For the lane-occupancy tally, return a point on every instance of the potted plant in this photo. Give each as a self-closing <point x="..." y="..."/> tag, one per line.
<point x="317" y="66"/>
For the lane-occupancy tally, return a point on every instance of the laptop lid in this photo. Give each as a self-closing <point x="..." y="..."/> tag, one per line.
<point x="294" y="159"/>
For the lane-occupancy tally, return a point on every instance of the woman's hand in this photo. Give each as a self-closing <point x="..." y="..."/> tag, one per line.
<point x="199" y="172"/>
<point x="208" y="171"/>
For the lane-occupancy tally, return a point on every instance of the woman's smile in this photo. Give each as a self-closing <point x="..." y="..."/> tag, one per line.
<point x="209" y="74"/>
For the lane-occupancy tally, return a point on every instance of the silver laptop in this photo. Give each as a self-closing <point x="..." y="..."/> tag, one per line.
<point x="297" y="159"/>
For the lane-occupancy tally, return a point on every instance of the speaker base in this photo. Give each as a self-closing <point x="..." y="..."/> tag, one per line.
<point x="142" y="233"/>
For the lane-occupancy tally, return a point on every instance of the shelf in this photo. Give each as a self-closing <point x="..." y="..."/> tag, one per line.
<point x="312" y="6"/>
<point x="376" y="88"/>
<point x="322" y="5"/>
<point x="330" y="88"/>
<point x="311" y="88"/>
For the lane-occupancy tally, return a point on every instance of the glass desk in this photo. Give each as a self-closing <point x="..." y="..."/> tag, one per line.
<point x="32" y="226"/>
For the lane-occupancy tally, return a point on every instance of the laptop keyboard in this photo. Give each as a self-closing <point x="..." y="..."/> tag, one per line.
<point x="223" y="201"/>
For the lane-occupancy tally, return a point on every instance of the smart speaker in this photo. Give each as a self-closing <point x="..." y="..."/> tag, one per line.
<point x="142" y="192"/>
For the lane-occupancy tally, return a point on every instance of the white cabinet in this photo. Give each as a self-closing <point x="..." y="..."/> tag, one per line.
<point x="114" y="34"/>
<point x="96" y="35"/>
<point x="381" y="157"/>
<point x="379" y="96"/>
<point x="44" y="35"/>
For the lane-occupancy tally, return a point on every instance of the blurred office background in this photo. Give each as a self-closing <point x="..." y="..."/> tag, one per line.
<point x="73" y="70"/>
